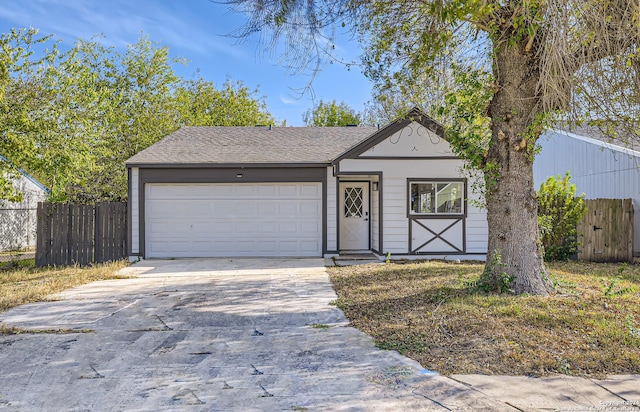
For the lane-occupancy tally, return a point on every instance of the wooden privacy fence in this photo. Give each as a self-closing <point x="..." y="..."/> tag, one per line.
<point x="81" y="234"/>
<point x="605" y="234"/>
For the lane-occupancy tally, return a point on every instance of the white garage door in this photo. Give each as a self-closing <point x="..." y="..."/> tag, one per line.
<point x="225" y="220"/>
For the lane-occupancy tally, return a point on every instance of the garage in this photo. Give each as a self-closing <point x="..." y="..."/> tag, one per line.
<point x="236" y="191"/>
<point x="233" y="219"/>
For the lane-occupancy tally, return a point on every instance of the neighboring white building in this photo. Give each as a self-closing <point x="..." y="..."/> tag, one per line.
<point x="18" y="220"/>
<point x="304" y="191"/>
<point x="599" y="169"/>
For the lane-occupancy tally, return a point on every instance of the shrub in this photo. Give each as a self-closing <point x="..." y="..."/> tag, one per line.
<point x="559" y="211"/>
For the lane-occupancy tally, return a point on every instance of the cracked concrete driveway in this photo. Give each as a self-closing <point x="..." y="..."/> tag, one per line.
<point x="211" y="334"/>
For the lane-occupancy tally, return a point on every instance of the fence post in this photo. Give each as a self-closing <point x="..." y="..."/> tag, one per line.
<point x="43" y="240"/>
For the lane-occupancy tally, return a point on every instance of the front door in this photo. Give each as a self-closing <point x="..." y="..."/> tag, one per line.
<point x="354" y="216"/>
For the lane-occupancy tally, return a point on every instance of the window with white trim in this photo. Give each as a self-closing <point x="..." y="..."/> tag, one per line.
<point x="436" y="198"/>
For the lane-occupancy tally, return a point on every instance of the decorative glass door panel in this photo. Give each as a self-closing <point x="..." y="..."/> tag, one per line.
<point x="354" y="216"/>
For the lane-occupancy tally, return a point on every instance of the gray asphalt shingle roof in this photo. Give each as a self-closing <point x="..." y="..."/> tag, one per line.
<point x="238" y="145"/>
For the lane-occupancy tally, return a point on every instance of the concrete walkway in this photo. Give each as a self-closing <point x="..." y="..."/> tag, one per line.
<point x="241" y="334"/>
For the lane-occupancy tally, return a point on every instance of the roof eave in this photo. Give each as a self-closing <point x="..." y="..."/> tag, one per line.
<point x="26" y="175"/>
<point x="596" y="142"/>
<point x="226" y="165"/>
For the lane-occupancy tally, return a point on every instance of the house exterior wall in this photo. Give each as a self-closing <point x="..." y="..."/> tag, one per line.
<point x="599" y="170"/>
<point x="332" y="212"/>
<point x="134" y="199"/>
<point x="375" y="220"/>
<point x="18" y="220"/>
<point x="410" y="148"/>
<point x="395" y="173"/>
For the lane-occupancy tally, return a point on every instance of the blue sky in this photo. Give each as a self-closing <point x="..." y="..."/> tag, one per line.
<point x="196" y="30"/>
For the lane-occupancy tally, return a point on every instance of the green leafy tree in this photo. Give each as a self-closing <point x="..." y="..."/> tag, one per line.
<point x="29" y="137"/>
<point x="523" y="61"/>
<point x="559" y="211"/>
<point x="331" y="114"/>
<point x="72" y="119"/>
<point x="134" y="104"/>
<point x="200" y="103"/>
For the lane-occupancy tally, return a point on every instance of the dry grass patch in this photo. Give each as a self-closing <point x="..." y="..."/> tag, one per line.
<point x="22" y="283"/>
<point x="430" y="312"/>
<point x="13" y="330"/>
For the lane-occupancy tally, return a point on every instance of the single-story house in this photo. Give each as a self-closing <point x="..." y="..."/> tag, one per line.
<point x="304" y="191"/>
<point x="598" y="167"/>
<point x="18" y="220"/>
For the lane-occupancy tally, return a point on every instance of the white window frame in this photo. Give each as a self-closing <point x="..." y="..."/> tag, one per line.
<point x="461" y="195"/>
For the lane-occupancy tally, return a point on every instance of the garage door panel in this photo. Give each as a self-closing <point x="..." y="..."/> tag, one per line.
<point x="290" y="246"/>
<point x="267" y="227"/>
<point x="171" y="192"/>
<point x="310" y="190"/>
<point x="246" y="227"/>
<point x="288" y="209"/>
<point x="308" y="246"/>
<point x="268" y="209"/>
<point x="223" y="208"/>
<point x="209" y="220"/>
<point x="267" y="190"/>
<point x="221" y="246"/>
<point x="310" y="227"/>
<point x="288" y="227"/>
<point x="242" y="209"/>
<point x="289" y="190"/>
<point x="309" y="208"/>
<point x="222" y="227"/>
<point x="171" y="208"/>
<point x="221" y="191"/>
<point x="245" y="191"/>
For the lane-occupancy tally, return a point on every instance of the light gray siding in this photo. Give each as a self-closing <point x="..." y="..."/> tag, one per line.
<point x="395" y="198"/>
<point x="18" y="220"/>
<point x="135" y="211"/>
<point x="598" y="169"/>
<point x="332" y="212"/>
<point x="375" y="220"/>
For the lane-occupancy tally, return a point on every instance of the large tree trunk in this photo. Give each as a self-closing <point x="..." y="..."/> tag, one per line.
<point x="514" y="257"/>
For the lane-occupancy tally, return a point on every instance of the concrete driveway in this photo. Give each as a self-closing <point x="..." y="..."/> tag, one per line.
<point x="212" y="334"/>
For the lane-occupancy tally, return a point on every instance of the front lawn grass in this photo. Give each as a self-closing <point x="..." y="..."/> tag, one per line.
<point x="21" y="282"/>
<point x="430" y="312"/>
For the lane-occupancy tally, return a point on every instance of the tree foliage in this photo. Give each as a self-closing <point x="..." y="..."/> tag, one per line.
<point x="559" y="211"/>
<point x="331" y="114"/>
<point x="72" y="118"/>
<point x="502" y="71"/>
<point x="16" y="63"/>
<point x="200" y="103"/>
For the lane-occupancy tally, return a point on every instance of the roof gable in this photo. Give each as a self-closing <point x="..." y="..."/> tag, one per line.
<point x="415" y="135"/>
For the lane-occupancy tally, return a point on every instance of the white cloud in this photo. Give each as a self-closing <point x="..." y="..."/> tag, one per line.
<point x="184" y="28"/>
<point x="290" y="101"/>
